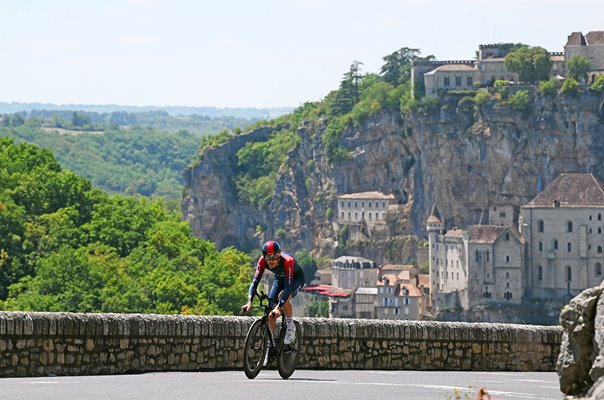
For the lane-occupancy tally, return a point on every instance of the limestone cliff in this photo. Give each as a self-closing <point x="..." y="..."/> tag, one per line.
<point x="462" y="157"/>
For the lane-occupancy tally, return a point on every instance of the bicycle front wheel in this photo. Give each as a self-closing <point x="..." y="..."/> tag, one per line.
<point x="256" y="348"/>
<point x="288" y="356"/>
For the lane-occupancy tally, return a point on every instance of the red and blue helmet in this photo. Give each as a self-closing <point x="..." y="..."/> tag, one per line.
<point x="270" y="248"/>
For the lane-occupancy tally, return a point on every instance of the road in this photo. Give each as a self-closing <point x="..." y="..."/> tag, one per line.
<point x="304" y="384"/>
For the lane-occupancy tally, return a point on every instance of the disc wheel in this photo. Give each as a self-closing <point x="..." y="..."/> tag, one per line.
<point x="288" y="356"/>
<point x="256" y="348"/>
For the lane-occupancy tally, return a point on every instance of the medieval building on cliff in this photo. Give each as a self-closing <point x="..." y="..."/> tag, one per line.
<point x="556" y="251"/>
<point x="442" y="76"/>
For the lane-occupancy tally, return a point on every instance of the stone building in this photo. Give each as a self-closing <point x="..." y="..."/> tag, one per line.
<point x="352" y="272"/>
<point x="556" y="251"/>
<point x="364" y="211"/>
<point x="398" y="294"/>
<point x="439" y="76"/>
<point x="590" y="46"/>
<point x="564" y="227"/>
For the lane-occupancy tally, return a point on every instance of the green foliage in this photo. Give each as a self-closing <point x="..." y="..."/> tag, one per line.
<point x="578" y="68"/>
<point x="520" y="101"/>
<point x="548" y="88"/>
<point x="67" y="247"/>
<point x="317" y="308"/>
<point x="482" y="96"/>
<point x="308" y="264"/>
<point x="349" y="91"/>
<point x="598" y="86"/>
<point x="397" y="67"/>
<point x="331" y="137"/>
<point x="259" y="163"/>
<point x="137" y="161"/>
<point x="570" y="87"/>
<point x="532" y="64"/>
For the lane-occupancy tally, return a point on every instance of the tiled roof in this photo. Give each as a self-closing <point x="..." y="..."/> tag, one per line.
<point x="414" y="291"/>
<point x="391" y="280"/>
<point x="595" y="37"/>
<point x="455" y="233"/>
<point x="424" y="279"/>
<point x="351" y="259"/>
<point x="571" y="190"/>
<point x="367" y="195"/>
<point x="434" y="217"/>
<point x="404" y="275"/>
<point x="575" y="39"/>
<point x="452" y="68"/>
<point x="486" y="233"/>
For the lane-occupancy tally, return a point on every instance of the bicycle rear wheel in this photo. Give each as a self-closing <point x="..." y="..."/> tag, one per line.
<point x="256" y="348"/>
<point x="288" y="356"/>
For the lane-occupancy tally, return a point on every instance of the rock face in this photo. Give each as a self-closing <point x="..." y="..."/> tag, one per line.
<point x="462" y="157"/>
<point x="581" y="358"/>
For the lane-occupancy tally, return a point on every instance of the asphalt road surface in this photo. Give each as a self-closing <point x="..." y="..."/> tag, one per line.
<point x="304" y="384"/>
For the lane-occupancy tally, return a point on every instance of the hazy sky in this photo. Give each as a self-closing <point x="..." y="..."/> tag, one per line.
<point x="248" y="53"/>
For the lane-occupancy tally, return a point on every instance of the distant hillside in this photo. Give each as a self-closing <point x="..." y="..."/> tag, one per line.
<point x="248" y="113"/>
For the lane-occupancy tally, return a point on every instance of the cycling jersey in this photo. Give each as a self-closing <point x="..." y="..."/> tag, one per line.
<point x="289" y="278"/>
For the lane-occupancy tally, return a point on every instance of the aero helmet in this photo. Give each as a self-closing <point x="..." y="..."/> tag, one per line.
<point x="270" y="248"/>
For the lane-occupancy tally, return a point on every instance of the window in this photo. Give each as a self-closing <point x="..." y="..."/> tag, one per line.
<point x="406" y="301"/>
<point x="348" y="204"/>
<point x="540" y="273"/>
<point x="507" y="236"/>
<point x="342" y="215"/>
<point x="569" y="274"/>
<point x="599" y="249"/>
<point x="355" y="204"/>
<point x="555" y="244"/>
<point x="507" y="275"/>
<point x="447" y="81"/>
<point x="569" y="247"/>
<point x="507" y="259"/>
<point x="469" y="81"/>
<point x="458" y="81"/>
<point x="540" y="246"/>
<point x="599" y="229"/>
<point x="598" y="269"/>
<point x="362" y="204"/>
<point x="507" y="295"/>
<point x="487" y="256"/>
<point x="540" y="226"/>
<point x="599" y="217"/>
<point x="369" y="204"/>
<point x="348" y="214"/>
<point x="341" y="204"/>
<point x="569" y="226"/>
<point x="507" y="285"/>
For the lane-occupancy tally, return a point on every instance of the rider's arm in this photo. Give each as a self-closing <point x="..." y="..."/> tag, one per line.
<point x="260" y="266"/>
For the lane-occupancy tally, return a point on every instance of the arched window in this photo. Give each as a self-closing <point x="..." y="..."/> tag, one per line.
<point x="599" y="249"/>
<point x="507" y="285"/>
<point x="569" y="226"/>
<point x="540" y="226"/>
<point x="507" y="275"/>
<point x="507" y="259"/>
<point x="569" y="274"/>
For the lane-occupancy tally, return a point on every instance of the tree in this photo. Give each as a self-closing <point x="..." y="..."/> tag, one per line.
<point x="578" y="68"/>
<point x="348" y="94"/>
<point x="397" y="69"/>
<point x="532" y="64"/>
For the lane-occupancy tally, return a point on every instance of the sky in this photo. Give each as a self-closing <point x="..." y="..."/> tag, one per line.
<point x="248" y="53"/>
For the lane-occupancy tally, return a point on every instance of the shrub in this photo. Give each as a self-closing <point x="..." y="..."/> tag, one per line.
<point x="548" y="88"/>
<point x="598" y="85"/>
<point x="570" y="86"/>
<point x="520" y="100"/>
<point x="482" y="96"/>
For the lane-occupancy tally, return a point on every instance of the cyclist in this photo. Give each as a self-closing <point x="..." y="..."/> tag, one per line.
<point x="289" y="279"/>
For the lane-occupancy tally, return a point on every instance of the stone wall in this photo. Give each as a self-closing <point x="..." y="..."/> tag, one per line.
<point x="40" y="344"/>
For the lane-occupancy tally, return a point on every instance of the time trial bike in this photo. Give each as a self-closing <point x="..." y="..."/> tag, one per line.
<point x="262" y="348"/>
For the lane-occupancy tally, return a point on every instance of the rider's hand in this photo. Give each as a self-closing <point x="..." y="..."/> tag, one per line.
<point x="276" y="311"/>
<point x="245" y="308"/>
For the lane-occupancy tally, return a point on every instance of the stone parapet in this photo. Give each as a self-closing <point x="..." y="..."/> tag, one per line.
<point x="40" y="344"/>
